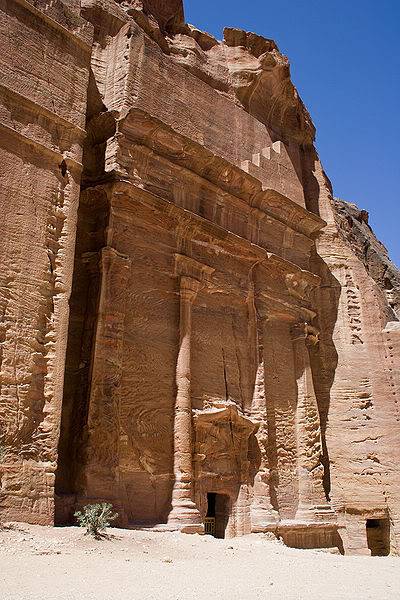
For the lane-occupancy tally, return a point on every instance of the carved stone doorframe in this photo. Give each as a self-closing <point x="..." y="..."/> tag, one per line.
<point x="222" y="434"/>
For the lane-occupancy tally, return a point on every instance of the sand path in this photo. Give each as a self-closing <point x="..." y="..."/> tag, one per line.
<point x="40" y="563"/>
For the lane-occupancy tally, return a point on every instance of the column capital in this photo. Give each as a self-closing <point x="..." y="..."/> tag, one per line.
<point x="189" y="288"/>
<point x="191" y="268"/>
<point x="96" y="261"/>
<point x="110" y="255"/>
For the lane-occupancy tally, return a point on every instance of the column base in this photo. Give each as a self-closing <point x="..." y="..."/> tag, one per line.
<point x="263" y="518"/>
<point x="185" y="517"/>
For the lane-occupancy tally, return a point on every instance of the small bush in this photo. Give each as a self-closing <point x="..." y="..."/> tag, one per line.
<point x="96" y="518"/>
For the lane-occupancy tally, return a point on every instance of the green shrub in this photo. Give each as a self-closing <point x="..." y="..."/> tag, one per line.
<point x="96" y="518"/>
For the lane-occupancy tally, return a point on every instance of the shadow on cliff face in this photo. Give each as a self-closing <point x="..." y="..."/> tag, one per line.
<point x="311" y="185"/>
<point x="90" y="238"/>
<point x="323" y="357"/>
<point x="83" y="312"/>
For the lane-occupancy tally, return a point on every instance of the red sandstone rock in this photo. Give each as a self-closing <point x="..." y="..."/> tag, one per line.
<point x="207" y="339"/>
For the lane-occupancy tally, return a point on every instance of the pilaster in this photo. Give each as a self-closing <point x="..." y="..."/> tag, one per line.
<point x="263" y="514"/>
<point x="185" y="514"/>
<point x="312" y="500"/>
<point x="103" y="421"/>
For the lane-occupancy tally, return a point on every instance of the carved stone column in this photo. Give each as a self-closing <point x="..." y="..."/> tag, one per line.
<point x="262" y="510"/>
<point x="185" y="514"/>
<point x="312" y="500"/>
<point x="103" y="426"/>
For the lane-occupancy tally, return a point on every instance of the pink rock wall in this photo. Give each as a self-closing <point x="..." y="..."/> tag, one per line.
<point x="204" y="333"/>
<point x="44" y="68"/>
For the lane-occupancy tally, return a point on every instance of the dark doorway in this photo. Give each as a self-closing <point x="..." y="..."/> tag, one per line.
<point x="217" y="514"/>
<point x="378" y="536"/>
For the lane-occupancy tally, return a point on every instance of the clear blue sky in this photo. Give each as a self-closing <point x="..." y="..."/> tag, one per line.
<point x="345" y="62"/>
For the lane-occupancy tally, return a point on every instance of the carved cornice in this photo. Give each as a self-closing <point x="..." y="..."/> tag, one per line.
<point x="141" y="128"/>
<point x="278" y="309"/>
<point x="280" y="207"/>
<point x="299" y="282"/>
<point x="53" y="13"/>
<point x="274" y="265"/>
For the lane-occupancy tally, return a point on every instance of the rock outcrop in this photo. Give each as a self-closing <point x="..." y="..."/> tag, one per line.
<point x="209" y="340"/>
<point x="353" y="223"/>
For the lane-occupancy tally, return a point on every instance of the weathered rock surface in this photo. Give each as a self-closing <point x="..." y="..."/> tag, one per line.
<point x="209" y="340"/>
<point x="353" y="222"/>
<point x="44" y="71"/>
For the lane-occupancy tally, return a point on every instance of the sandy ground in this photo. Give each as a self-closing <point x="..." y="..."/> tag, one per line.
<point x="43" y="563"/>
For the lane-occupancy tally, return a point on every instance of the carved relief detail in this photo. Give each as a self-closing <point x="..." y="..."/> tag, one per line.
<point x="222" y="438"/>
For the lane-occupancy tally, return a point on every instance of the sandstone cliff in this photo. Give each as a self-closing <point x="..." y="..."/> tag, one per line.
<point x="208" y="339"/>
<point x="353" y="223"/>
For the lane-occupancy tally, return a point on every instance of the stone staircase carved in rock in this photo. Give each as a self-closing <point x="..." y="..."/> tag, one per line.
<point x="274" y="168"/>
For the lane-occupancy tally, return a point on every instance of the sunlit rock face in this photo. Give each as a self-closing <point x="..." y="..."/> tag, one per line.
<point x="192" y="328"/>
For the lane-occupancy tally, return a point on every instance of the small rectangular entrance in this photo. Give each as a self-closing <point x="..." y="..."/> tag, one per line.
<point x="217" y="514"/>
<point x="378" y="536"/>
